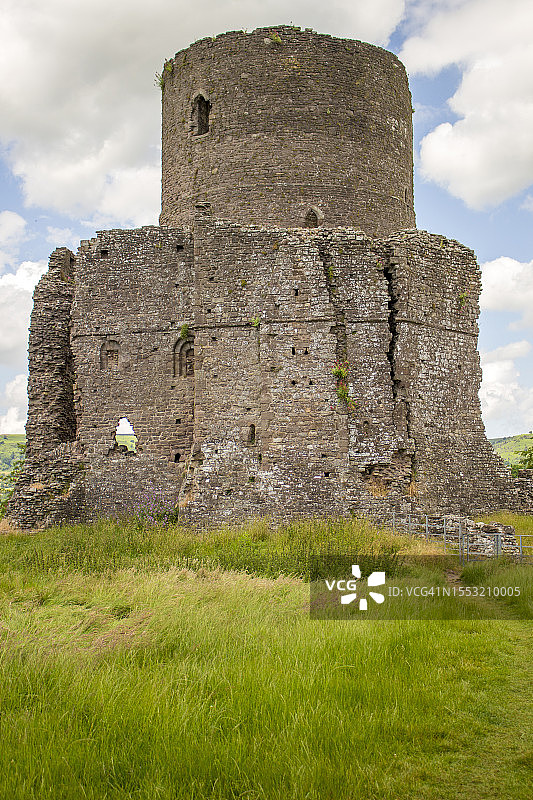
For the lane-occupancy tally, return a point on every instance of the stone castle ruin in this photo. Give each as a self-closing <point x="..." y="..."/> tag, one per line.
<point x="287" y="244"/>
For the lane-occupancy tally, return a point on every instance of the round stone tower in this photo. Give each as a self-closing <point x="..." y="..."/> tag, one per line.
<point x="288" y="128"/>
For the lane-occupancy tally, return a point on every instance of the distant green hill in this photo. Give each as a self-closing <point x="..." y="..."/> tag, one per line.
<point x="9" y="451"/>
<point x="510" y="447"/>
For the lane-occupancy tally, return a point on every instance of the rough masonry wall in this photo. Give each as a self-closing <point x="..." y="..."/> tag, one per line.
<point x="269" y="328"/>
<point x="274" y="310"/>
<point x="48" y="489"/>
<point x="133" y="299"/>
<point x="435" y="285"/>
<point x="311" y="122"/>
<point x="219" y="351"/>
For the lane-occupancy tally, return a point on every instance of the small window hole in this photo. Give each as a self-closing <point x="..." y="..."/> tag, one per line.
<point x="251" y="434"/>
<point x="294" y="351"/>
<point x="200" y="115"/>
<point x="311" y="219"/>
<point x="125" y="438"/>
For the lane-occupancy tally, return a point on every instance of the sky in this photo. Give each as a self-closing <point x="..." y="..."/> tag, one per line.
<point x="80" y="145"/>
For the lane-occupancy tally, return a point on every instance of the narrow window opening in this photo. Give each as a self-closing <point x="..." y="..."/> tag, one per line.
<point x="109" y="356"/>
<point x="251" y="434"/>
<point x="189" y="361"/>
<point x="311" y="383"/>
<point x="311" y="219"/>
<point x="177" y="457"/>
<point x="104" y="253"/>
<point x="306" y="352"/>
<point x="125" y="438"/>
<point x="200" y="115"/>
<point x="178" y="422"/>
<point x="294" y="351"/>
<point x="405" y="195"/>
<point x="323" y="455"/>
<point x="293" y="383"/>
<point x="327" y="474"/>
<point x="296" y="292"/>
<point x="179" y="248"/>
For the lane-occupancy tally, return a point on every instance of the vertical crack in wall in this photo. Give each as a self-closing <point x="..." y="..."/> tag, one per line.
<point x="399" y="389"/>
<point x="324" y="253"/>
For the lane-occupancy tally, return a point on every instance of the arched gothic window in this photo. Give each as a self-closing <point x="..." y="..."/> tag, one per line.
<point x="200" y="115"/>
<point x="184" y="358"/>
<point x="313" y="218"/>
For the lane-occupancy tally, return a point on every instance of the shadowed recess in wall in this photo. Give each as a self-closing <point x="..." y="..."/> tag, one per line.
<point x="125" y="438"/>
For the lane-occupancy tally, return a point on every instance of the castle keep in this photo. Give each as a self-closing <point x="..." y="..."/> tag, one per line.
<point x="287" y="243"/>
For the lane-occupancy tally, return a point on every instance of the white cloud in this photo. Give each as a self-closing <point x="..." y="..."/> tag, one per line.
<point x="508" y="286"/>
<point x="486" y="156"/>
<point x="15" y="397"/>
<point x="62" y="237"/>
<point x="13" y="421"/>
<point x="16" y="291"/>
<point x="507" y="352"/>
<point x="124" y="426"/>
<point x="507" y="405"/>
<point x="137" y="189"/>
<point x="84" y="134"/>
<point x="12" y="234"/>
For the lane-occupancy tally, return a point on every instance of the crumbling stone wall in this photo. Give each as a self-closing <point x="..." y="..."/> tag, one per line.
<point x="309" y="124"/>
<point x="252" y="423"/>
<point x="135" y="299"/>
<point x="49" y="489"/>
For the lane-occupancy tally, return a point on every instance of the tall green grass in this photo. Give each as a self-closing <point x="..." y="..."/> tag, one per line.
<point x="203" y="684"/>
<point x="134" y="664"/>
<point x="257" y="548"/>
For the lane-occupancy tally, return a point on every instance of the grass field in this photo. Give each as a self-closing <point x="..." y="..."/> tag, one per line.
<point x="138" y="663"/>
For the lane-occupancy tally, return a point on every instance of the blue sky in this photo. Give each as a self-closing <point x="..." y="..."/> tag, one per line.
<point x="80" y="145"/>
